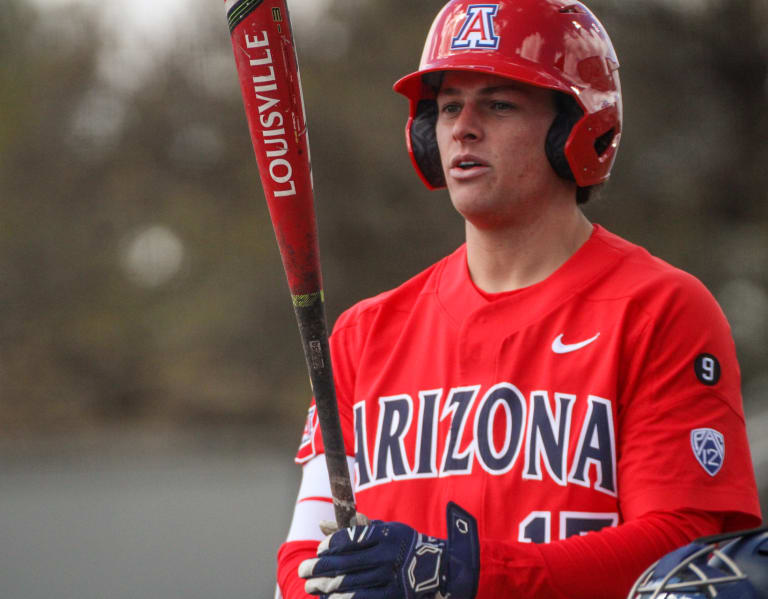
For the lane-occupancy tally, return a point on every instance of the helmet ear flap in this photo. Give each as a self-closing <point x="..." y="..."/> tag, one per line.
<point x="568" y="114"/>
<point x="424" y="143"/>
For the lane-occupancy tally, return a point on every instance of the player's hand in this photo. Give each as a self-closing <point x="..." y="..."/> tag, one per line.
<point x="390" y="560"/>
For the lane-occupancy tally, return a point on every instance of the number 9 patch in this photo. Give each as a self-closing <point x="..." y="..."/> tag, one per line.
<point x="707" y="369"/>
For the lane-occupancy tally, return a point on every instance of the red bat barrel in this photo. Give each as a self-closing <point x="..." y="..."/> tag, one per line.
<point x="265" y="56"/>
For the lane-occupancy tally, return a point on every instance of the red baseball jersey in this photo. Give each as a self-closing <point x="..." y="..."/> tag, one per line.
<point x="605" y="392"/>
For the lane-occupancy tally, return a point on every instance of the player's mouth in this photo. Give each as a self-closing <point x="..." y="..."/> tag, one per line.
<point x="466" y="166"/>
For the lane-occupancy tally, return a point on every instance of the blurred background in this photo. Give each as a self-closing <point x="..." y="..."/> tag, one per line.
<point x="152" y="385"/>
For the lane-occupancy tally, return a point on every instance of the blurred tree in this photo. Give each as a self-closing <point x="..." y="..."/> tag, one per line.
<point x="91" y="175"/>
<point x="734" y="34"/>
<point x="51" y="250"/>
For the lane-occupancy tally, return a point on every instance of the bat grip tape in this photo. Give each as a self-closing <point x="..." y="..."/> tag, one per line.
<point x="314" y="335"/>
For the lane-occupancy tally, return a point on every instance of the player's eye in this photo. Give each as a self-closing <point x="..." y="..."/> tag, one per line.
<point x="501" y="106"/>
<point x="450" y="108"/>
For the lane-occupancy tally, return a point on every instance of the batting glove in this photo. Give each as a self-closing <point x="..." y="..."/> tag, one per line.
<point x="390" y="560"/>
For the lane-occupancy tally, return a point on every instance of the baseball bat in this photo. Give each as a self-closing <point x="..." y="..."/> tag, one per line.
<point x="267" y="67"/>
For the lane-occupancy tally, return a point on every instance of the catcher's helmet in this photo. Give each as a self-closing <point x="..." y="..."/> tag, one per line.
<point x="556" y="44"/>
<point x="729" y="566"/>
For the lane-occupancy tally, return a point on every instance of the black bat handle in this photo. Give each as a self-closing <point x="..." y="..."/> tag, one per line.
<point x="310" y="313"/>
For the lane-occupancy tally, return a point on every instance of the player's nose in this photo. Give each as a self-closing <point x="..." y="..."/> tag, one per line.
<point x="467" y="126"/>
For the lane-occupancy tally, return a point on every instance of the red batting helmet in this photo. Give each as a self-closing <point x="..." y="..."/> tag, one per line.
<point x="556" y="44"/>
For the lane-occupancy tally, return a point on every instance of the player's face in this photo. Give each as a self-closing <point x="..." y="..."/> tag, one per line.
<point x="491" y="133"/>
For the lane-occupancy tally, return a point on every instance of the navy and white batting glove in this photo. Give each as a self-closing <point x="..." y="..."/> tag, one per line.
<point x="390" y="560"/>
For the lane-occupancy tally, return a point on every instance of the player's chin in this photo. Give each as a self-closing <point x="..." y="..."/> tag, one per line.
<point x="483" y="215"/>
<point x="470" y="195"/>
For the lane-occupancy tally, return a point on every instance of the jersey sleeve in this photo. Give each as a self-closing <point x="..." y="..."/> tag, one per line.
<point x="289" y="556"/>
<point x="313" y="505"/>
<point x="682" y="435"/>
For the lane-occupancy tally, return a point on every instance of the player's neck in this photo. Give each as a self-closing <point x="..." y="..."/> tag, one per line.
<point x="519" y="256"/>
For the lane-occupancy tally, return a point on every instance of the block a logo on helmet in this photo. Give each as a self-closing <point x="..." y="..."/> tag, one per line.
<point x="477" y="31"/>
<point x="555" y="44"/>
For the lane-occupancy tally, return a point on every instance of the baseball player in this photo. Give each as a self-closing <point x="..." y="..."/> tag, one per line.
<point x="549" y="409"/>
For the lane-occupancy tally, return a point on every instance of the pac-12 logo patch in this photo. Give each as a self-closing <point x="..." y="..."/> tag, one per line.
<point x="709" y="448"/>
<point x="477" y="32"/>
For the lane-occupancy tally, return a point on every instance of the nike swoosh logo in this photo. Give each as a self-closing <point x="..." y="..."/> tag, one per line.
<point x="564" y="348"/>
